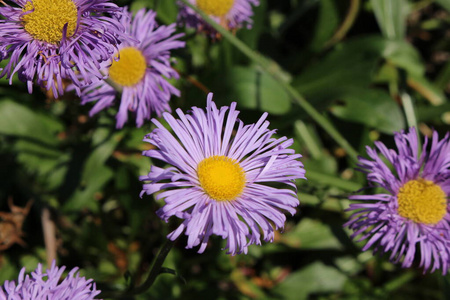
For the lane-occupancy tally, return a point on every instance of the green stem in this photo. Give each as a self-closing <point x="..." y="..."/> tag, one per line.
<point x="347" y="24"/>
<point x="274" y="70"/>
<point x="154" y="272"/>
<point x="156" y="268"/>
<point x="408" y="107"/>
<point x="114" y="85"/>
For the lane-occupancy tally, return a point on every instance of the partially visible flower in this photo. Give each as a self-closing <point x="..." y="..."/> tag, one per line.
<point x="410" y="218"/>
<point x="48" y="41"/>
<point x="47" y="285"/>
<point x="140" y="70"/>
<point x="231" y="14"/>
<point x="225" y="178"/>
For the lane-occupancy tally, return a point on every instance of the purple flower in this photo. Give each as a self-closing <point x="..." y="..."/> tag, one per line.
<point x="48" y="41"/>
<point x="231" y="14"/>
<point x="409" y="217"/>
<point x="225" y="178"/>
<point x="49" y="286"/>
<point x="141" y="72"/>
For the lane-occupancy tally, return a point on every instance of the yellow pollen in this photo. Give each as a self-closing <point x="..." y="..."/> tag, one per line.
<point x="130" y="68"/>
<point x="45" y="19"/>
<point x="218" y="8"/>
<point x="422" y="201"/>
<point x="221" y="177"/>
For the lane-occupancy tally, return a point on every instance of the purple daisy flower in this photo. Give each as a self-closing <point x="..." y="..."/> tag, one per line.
<point x="48" y="41"/>
<point x="222" y="175"/>
<point x="141" y="72"/>
<point x="231" y="14"/>
<point x="48" y="286"/>
<point x="410" y="218"/>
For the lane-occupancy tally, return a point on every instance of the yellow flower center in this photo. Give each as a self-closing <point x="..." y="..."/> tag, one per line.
<point x="422" y="201"/>
<point x="221" y="177"/>
<point x="218" y="8"/>
<point x="130" y="68"/>
<point x="47" y="18"/>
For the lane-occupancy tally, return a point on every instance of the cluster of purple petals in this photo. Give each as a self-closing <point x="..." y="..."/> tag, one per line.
<point x="94" y="41"/>
<point x="252" y="216"/>
<point x="49" y="286"/>
<point x="239" y="15"/>
<point x="375" y="218"/>
<point x="153" y="93"/>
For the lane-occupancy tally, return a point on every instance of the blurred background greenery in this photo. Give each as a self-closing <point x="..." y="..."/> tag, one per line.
<point x="359" y="63"/>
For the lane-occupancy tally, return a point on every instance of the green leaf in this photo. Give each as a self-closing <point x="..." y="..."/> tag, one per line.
<point x="444" y="3"/>
<point x="403" y="55"/>
<point x="351" y="64"/>
<point x="49" y="164"/>
<point x="391" y="17"/>
<point x="255" y="90"/>
<point x="326" y="25"/>
<point x="20" y="121"/>
<point x="371" y="107"/>
<point x="311" y="234"/>
<point x="354" y="64"/>
<point x="95" y="174"/>
<point x="167" y="11"/>
<point x="315" y="278"/>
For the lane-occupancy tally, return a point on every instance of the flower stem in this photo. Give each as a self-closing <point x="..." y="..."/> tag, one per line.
<point x="408" y="107"/>
<point x="154" y="272"/>
<point x="275" y="71"/>
<point x="156" y="269"/>
<point x="347" y="24"/>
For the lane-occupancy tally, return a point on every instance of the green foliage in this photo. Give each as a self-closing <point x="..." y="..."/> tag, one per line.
<point x="86" y="172"/>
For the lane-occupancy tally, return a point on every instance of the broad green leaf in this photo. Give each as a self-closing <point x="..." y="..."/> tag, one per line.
<point x="254" y="89"/>
<point x="315" y="278"/>
<point x="20" y="121"/>
<point x="9" y="270"/>
<point x="351" y="64"/>
<point x="403" y="55"/>
<point x="49" y="164"/>
<point x="94" y="176"/>
<point x="311" y="234"/>
<point x="371" y="107"/>
<point x="326" y="25"/>
<point x="391" y="17"/>
<point x="167" y="11"/>
<point x="444" y="3"/>
<point x="139" y="4"/>
<point x="354" y="64"/>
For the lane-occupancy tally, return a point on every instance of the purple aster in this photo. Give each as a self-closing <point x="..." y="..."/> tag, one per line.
<point x="410" y="216"/>
<point x="231" y="14"/>
<point x="141" y="72"/>
<point x="48" y="41"/>
<point x="48" y="286"/>
<point x="225" y="178"/>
